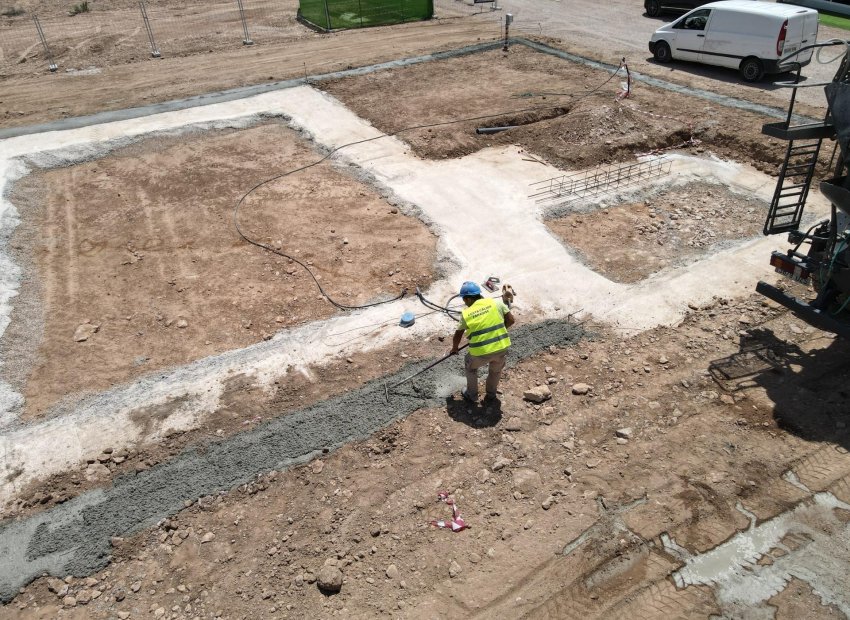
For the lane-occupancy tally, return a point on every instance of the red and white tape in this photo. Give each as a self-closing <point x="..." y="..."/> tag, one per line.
<point x="456" y="524"/>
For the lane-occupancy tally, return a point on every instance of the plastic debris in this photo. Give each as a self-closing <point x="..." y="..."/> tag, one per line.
<point x="456" y="524"/>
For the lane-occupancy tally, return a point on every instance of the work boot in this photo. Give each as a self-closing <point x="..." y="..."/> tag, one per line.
<point x="468" y="398"/>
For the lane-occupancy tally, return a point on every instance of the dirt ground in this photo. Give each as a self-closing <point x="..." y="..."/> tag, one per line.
<point x="613" y="455"/>
<point x="137" y="252"/>
<point x="629" y="242"/>
<point x="111" y="32"/>
<point x="670" y="432"/>
<point x="567" y="114"/>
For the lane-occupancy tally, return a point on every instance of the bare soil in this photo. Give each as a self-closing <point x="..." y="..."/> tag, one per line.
<point x="567" y="114"/>
<point x="112" y="32"/>
<point x="141" y="245"/>
<point x="629" y="242"/>
<point x="717" y="409"/>
<point x="40" y="96"/>
<point x="695" y="450"/>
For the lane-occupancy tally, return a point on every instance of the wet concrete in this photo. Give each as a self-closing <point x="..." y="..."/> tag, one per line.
<point x="74" y="538"/>
<point x="809" y="542"/>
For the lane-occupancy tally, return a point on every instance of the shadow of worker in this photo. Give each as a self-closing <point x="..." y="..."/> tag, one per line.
<point x="479" y="415"/>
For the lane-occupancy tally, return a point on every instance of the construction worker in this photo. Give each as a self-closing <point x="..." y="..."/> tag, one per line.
<point x="486" y="323"/>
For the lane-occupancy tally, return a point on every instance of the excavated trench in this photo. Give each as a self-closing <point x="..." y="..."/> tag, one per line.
<point x="74" y="538"/>
<point x="529" y="117"/>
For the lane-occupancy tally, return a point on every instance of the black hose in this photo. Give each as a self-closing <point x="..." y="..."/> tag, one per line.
<point x="452" y="314"/>
<point x="489" y="130"/>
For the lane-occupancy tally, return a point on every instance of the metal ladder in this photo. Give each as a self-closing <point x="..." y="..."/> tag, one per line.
<point x="801" y="156"/>
<point x="792" y="186"/>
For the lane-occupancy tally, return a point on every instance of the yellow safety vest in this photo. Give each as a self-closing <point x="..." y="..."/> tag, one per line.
<point x="485" y="327"/>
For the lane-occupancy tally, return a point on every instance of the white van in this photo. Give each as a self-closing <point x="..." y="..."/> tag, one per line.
<point x="747" y="35"/>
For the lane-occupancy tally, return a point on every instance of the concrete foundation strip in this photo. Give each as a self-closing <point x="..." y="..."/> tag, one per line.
<point x="74" y="538"/>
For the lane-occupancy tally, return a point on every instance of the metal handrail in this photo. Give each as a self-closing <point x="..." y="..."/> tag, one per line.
<point x="828" y="43"/>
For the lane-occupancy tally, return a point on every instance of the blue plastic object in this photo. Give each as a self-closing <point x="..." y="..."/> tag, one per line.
<point x="407" y="319"/>
<point x="470" y="289"/>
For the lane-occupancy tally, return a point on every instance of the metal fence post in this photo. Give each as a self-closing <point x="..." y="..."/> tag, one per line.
<point x="328" y="15"/>
<point x="360" y="10"/>
<point x="154" y="49"/>
<point x="50" y="64"/>
<point x="247" y="40"/>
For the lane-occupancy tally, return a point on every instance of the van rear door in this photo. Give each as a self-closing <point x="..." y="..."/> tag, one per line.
<point x="802" y="31"/>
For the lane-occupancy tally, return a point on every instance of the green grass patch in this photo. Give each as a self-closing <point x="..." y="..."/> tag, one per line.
<point x="82" y="7"/>
<point x="836" y="21"/>
<point x="362" y="13"/>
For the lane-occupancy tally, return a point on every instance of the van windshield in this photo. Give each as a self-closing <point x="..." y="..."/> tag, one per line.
<point x="695" y="21"/>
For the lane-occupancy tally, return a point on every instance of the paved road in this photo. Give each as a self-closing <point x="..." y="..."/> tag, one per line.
<point x="615" y="28"/>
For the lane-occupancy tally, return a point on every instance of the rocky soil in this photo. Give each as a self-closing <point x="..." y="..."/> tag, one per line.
<point x="680" y="424"/>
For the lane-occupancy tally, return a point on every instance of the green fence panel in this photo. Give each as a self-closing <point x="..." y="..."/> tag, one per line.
<point x="314" y="12"/>
<point x="363" y="13"/>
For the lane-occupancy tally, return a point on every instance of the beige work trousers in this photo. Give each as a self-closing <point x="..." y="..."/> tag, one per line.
<point x="495" y="363"/>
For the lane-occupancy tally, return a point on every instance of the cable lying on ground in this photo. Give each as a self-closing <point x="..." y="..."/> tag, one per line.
<point x="330" y="153"/>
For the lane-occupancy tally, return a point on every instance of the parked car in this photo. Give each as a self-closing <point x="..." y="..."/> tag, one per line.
<point x="654" y="8"/>
<point x="740" y="34"/>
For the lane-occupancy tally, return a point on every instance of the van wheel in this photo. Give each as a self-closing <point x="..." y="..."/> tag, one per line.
<point x="752" y="70"/>
<point x="662" y="52"/>
<point x="653" y="8"/>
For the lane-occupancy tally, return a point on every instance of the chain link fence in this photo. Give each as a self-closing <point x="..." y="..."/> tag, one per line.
<point x="92" y="34"/>
<point x="83" y="37"/>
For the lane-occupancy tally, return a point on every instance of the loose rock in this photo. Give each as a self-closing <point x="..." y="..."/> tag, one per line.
<point x="580" y="389"/>
<point x="454" y="569"/>
<point x="538" y="394"/>
<point x="83" y="597"/>
<point x="513" y="424"/>
<point x="329" y="579"/>
<point x="392" y="571"/>
<point x="500" y="463"/>
<point x="85" y="331"/>
<point x="526" y="480"/>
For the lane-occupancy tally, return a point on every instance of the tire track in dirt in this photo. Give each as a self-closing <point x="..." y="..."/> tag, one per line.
<point x="821" y="468"/>
<point x="70" y="225"/>
<point x="637" y="584"/>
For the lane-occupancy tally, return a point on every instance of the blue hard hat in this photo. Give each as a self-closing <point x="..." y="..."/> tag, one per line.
<point x="469" y="289"/>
